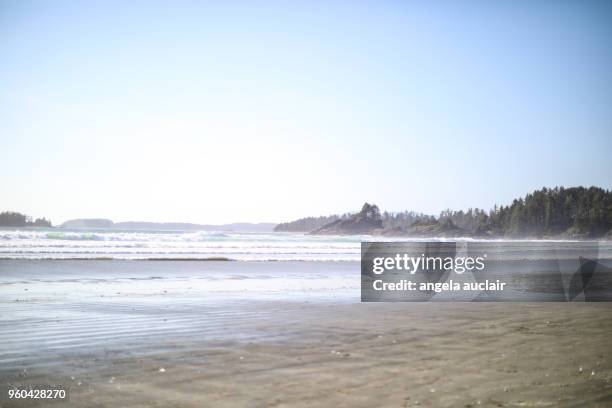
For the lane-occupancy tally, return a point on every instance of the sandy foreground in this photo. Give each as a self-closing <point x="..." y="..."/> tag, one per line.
<point x="355" y="355"/>
<point x="205" y="334"/>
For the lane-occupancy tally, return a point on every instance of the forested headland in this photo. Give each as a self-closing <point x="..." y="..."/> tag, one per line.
<point x="576" y="212"/>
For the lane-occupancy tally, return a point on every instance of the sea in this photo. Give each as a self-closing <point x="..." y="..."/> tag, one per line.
<point x="60" y="244"/>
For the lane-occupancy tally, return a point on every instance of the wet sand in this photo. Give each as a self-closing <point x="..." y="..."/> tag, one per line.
<point x="397" y="355"/>
<point x="156" y="347"/>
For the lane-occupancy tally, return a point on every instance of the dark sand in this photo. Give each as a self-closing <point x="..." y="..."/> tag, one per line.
<point x="358" y="355"/>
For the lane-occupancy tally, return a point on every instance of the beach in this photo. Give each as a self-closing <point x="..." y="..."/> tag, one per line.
<point x="341" y="204"/>
<point x="193" y="334"/>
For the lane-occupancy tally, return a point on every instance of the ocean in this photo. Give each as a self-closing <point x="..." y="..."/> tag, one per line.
<point x="174" y="245"/>
<point x="150" y="245"/>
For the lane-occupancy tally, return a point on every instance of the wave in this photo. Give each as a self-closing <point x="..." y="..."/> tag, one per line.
<point x="165" y="236"/>
<point x="74" y="236"/>
<point x="110" y="258"/>
<point x="214" y="245"/>
<point x="173" y="259"/>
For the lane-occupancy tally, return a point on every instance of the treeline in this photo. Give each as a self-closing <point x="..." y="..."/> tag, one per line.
<point x="15" y="219"/>
<point x="573" y="212"/>
<point x="404" y="219"/>
<point x="473" y="220"/>
<point x="576" y="211"/>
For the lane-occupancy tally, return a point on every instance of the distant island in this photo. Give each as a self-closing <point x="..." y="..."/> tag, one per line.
<point x="102" y="223"/>
<point x="18" y="220"/>
<point x="15" y="219"/>
<point x="575" y="212"/>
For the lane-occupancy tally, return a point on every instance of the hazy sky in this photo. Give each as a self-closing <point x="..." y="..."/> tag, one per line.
<point x="268" y="111"/>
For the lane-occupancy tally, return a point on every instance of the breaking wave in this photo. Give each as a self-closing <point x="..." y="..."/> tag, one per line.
<point x="208" y="245"/>
<point x="163" y="245"/>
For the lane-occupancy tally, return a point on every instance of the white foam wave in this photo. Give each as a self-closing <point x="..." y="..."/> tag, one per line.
<point x="67" y="244"/>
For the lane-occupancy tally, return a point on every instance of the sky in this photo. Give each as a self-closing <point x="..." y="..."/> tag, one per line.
<point x="216" y="112"/>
